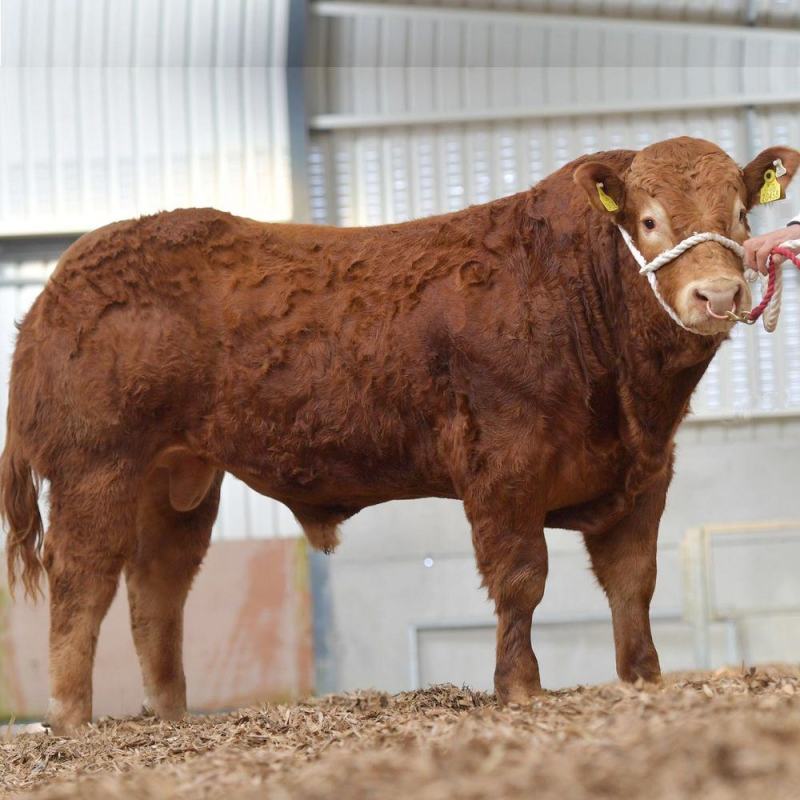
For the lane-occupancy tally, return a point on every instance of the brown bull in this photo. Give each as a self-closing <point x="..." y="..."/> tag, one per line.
<point x="509" y="355"/>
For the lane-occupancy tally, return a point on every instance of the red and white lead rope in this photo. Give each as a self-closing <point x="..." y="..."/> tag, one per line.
<point x="770" y="306"/>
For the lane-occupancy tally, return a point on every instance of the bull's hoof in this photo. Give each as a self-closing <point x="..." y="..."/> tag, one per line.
<point x="641" y="677"/>
<point x="61" y="720"/>
<point x="644" y="668"/>
<point x="67" y="728"/>
<point x="168" y="707"/>
<point x="521" y="692"/>
<point x="517" y="696"/>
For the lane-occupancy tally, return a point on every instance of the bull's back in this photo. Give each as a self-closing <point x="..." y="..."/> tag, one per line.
<point x="234" y="332"/>
<point x="303" y="353"/>
<point x="326" y="375"/>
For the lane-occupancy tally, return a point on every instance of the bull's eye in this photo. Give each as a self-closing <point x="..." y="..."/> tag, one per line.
<point x="743" y="216"/>
<point x="649" y="223"/>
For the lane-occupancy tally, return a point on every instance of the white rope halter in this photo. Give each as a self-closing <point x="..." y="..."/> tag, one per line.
<point x="649" y="268"/>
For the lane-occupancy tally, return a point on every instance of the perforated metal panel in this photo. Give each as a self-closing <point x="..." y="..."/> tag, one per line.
<point x="428" y="107"/>
<point x="389" y="174"/>
<point x="384" y="175"/>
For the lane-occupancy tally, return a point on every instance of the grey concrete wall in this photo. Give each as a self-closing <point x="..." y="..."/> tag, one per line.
<point x="410" y="564"/>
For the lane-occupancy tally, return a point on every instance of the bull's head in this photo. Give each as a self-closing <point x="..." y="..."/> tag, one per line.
<point x="674" y="189"/>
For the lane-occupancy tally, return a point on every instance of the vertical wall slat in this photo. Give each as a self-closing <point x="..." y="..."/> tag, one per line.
<point x="452" y="166"/>
<point x="144" y="33"/>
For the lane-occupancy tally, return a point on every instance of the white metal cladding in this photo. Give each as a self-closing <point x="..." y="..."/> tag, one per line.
<point x="386" y="174"/>
<point x="368" y="34"/>
<point x="773" y="12"/>
<point x="144" y="33"/>
<point x="385" y="64"/>
<point x="357" y="97"/>
<point x="81" y="148"/>
<point x="243" y="513"/>
<point x="419" y="108"/>
<point x="777" y="13"/>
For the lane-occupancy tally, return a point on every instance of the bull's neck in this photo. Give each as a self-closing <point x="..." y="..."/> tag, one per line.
<point x="639" y="367"/>
<point x="659" y="363"/>
<point x="622" y="336"/>
<point x="654" y="364"/>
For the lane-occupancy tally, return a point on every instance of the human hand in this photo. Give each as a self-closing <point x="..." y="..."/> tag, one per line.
<point x="757" y="249"/>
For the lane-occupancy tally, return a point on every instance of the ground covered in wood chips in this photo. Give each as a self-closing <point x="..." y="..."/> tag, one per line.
<point x="729" y="734"/>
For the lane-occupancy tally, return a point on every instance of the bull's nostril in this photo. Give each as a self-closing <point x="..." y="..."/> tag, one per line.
<point x="700" y="296"/>
<point x="737" y="298"/>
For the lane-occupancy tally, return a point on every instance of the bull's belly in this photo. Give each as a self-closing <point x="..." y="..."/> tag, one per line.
<point x="581" y="478"/>
<point x="332" y="491"/>
<point x="310" y="463"/>
<point x="561" y="495"/>
<point x="350" y="474"/>
<point x="350" y="479"/>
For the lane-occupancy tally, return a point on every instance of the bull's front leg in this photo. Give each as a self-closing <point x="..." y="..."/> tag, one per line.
<point x="624" y="561"/>
<point x="512" y="557"/>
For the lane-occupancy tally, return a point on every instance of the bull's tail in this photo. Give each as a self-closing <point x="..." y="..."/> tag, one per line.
<point x="19" y="510"/>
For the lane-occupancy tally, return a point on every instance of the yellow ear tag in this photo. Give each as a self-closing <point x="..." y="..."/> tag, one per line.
<point x="771" y="190"/>
<point x="608" y="202"/>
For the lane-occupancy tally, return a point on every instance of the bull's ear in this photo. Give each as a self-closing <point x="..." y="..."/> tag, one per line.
<point x="603" y="186"/>
<point x="754" y="172"/>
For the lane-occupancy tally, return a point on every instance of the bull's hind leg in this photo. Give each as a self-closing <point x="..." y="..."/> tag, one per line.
<point x="91" y="525"/>
<point x="170" y="548"/>
<point x="512" y="557"/>
<point x="624" y="561"/>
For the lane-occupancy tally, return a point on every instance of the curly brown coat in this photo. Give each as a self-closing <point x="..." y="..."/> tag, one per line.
<point x="508" y="355"/>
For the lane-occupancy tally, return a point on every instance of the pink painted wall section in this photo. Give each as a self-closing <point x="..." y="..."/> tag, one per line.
<point x="247" y="639"/>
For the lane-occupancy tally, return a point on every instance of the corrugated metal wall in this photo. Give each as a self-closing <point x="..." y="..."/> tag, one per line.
<point x="538" y="64"/>
<point x="144" y="33"/>
<point x="374" y="175"/>
<point x="777" y="13"/>
<point x="79" y="148"/>
<point x="176" y="103"/>
<point x="412" y="108"/>
<point x="426" y="108"/>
